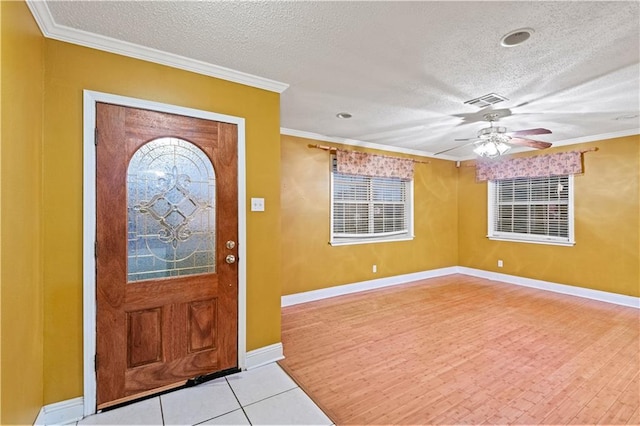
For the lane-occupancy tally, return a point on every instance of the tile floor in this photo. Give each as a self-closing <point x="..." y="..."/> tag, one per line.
<point x="262" y="396"/>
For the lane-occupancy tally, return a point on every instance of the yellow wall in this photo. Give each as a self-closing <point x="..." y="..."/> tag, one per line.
<point x="69" y="70"/>
<point x="21" y="287"/>
<point x="0" y="212"/>
<point x="607" y="226"/>
<point x="310" y="263"/>
<point x="451" y="225"/>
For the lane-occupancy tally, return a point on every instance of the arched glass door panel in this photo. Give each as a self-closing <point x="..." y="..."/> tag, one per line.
<point x="171" y="193"/>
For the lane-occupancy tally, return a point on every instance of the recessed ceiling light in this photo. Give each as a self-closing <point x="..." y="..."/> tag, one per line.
<point x="516" y="37"/>
<point x="343" y="115"/>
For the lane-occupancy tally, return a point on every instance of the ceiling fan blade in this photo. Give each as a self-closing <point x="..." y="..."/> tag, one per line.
<point x="530" y="143"/>
<point x="465" y="139"/>
<point x="538" y="131"/>
<point x="451" y="149"/>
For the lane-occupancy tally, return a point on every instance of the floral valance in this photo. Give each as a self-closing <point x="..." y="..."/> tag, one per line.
<point x="363" y="164"/>
<point x="562" y="163"/>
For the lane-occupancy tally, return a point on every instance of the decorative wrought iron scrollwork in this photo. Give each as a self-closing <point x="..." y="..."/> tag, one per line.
<point x="173" y="217"/>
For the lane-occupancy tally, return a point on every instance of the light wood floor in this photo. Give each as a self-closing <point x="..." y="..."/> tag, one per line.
<point x="464" y="350"/>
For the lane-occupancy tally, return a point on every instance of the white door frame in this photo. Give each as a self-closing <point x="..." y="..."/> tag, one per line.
<point x="89" y="225"/>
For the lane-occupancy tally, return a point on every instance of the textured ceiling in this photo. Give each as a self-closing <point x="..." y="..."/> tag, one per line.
<point x="404" y="69"/>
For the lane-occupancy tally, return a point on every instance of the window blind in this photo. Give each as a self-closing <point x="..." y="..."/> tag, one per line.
<point x="369" y="207"/>
<point x="532" y="208"/>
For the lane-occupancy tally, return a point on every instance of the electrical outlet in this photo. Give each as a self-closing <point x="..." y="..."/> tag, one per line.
<point x="374" y="269"/>
<point x="257" y="204"/>
<point x="500" y="263"/>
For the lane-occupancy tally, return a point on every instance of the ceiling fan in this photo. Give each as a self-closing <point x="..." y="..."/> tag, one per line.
<point x="494" y="141"/>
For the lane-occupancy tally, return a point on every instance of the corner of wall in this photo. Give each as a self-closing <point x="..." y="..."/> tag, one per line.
<point x="21" y="283"/>
<point x="598" y="261"/>
<point x="0" y="209"/>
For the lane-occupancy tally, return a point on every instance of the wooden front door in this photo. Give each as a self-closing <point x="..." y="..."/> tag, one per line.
<point x="167" y="228"/>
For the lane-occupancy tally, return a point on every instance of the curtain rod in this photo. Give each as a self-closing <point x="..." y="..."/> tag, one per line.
<point x="595" y="148"/>
<point x="334" y="149"/>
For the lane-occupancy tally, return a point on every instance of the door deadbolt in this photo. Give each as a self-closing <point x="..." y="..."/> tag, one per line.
<point x="230" y="259"/>
<point x="231" y="244"/>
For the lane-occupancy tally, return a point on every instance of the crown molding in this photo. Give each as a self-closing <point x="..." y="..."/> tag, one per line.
<point x="595" y="138"/>
<point x="44" y="19"/>
<point x="362" y="144"/>
<point x="389" y="148"/>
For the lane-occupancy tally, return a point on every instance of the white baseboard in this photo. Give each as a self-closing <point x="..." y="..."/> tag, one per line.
<point x="324" y="293"/>
<point x="587" y="293"/>
<point x="40" y="419"/>
<point x="264" y="355"/>
<point x="603" y="296"/>
<point x="61" y="413"/>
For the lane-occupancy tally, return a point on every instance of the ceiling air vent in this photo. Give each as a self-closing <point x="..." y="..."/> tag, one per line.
<point x="486" y="100"/>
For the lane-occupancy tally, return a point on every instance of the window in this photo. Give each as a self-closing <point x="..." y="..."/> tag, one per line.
<point x="537" y="210"/>
<point x="370" y="209"/>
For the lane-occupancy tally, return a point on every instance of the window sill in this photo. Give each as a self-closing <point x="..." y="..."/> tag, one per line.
<point x="522" y="240"/>
<point x="354" y="241"/>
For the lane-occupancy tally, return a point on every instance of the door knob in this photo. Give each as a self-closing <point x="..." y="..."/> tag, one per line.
<point x="230" y="259"/>
<point x="231" y="244"/>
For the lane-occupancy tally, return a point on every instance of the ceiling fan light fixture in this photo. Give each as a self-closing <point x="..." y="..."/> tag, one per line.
<point x="493" y="132"/>
<point x="493" y="141"/>
<point x="502" y="148"/>
<point x="481" y="150"/>
<point x="491" y="148"/>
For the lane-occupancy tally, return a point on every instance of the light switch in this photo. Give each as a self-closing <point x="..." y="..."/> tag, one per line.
<point x="257" y="204"/>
